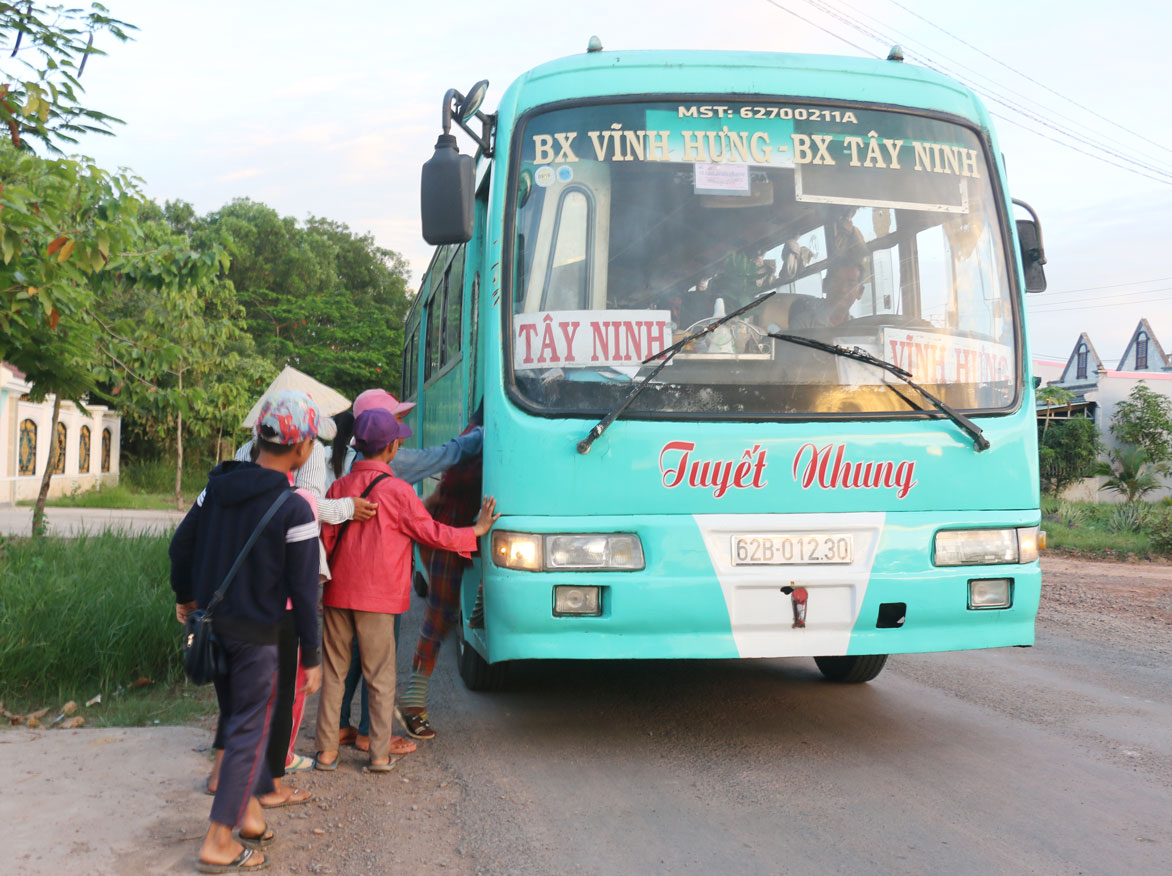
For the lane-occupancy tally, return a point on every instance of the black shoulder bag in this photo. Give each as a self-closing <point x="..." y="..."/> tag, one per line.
<point x="203" y="657"/>
<point x="342" y="528"/>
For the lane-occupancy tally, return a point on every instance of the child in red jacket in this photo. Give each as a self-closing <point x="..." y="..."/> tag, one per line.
<point x="371" y="583"/>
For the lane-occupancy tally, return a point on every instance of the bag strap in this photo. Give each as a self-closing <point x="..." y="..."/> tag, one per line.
<point x="219" y="594"/>
<point x="346" y="524"/>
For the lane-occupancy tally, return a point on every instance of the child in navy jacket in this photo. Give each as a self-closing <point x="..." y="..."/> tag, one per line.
<point x="282" y="565"/>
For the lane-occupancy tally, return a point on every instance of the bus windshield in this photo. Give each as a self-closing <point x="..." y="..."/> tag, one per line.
<point x="636" y="223"/>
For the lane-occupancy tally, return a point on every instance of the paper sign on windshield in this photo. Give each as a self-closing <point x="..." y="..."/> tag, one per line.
<point x="941" y="358"/>
<point x="588" y="338"/>
<point x="722" y="179"/>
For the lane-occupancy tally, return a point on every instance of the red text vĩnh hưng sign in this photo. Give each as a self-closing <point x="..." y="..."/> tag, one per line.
<point x="588" y="338"/>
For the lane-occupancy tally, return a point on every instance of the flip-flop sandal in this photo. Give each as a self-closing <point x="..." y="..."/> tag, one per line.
<point x="291" y="800"/>
<point x="328" y="767"/>
<point x="257" y="842"/>
<point x="298" y="763"/>
<point x="380" y="767"/>
<point x="207" y="787"/>
<point x="236" y="866"/>
<point x="399" y="745"/>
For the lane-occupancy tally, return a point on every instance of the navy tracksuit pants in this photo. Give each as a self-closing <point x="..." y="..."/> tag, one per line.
<point x="247" y="696"/>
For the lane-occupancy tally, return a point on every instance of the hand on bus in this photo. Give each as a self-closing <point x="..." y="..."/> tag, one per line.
<point x="363" y="508"/>
<point x="487" y="516"/>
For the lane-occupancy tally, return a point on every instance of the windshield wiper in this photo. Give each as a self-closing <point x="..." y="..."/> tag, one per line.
<point x="667" y="353"/>
<point x="980" y="442"/>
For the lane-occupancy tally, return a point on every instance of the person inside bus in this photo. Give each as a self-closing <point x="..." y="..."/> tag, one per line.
<point x="842" y="287"/>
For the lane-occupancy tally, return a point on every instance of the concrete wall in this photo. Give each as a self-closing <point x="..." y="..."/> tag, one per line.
<point x="14" y="409"/>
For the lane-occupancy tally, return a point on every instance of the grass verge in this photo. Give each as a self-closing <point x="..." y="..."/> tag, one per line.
<point x="93" y="615"/>
<point x="1102" y="530"/>
<point x="119" y="496"/>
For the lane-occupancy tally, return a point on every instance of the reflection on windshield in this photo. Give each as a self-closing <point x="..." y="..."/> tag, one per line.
<point x="644" y="222"/>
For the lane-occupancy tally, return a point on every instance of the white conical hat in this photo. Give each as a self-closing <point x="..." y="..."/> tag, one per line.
<point x="328" y="401"/>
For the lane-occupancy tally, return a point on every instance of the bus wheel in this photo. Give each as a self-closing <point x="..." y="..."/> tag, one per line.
<point x="478" y="674"/>
<point x="851" y="670"/>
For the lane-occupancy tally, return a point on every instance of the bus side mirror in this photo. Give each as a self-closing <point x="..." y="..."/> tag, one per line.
<point x="1033" y="256"/>
<point x="447" y="192"/>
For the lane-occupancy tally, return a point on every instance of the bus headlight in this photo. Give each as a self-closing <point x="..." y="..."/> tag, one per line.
<point x="577" y="551"/>
<point x="516" y="550"/>
<point x="983" y="547"/>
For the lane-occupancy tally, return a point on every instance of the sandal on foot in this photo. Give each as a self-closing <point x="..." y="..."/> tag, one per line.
<point x="292" y="800"/>
<point x="380" y="767"/>
<point x="257" y="842"/>
<point x="362" y="742"/>
<point x="399" y="745"/>
<point x="298" y="763"/>
<point x="415" y="725"/>
<point x="237" y="866"/>
<point x="347" y="735"/>
<point x="328" y="767"/>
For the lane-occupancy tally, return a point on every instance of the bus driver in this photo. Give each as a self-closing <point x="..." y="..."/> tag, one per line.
<point x="842" y="287"/>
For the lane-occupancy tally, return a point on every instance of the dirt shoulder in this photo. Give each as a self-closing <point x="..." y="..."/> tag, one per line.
<point x="1109" y="602"/>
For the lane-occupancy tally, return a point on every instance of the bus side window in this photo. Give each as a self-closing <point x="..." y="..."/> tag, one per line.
<point x="454" y="307"/>
<point x="410" y="362"/>
<point x="434" y="318"/>
<point x="473" y="350"/>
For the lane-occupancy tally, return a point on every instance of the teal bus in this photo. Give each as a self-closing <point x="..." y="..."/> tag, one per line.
<point x="748" y="335"/>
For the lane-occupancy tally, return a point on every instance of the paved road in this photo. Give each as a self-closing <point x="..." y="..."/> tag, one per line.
<point x="18" y="520"/>
<point x="1055" y="759"/>
<point x="1050" y="760"/>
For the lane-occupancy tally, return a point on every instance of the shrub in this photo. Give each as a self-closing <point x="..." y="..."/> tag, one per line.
<point x="1071" y="514"/>
<point x="1067" y="452"/>
<point x="1125" y="518"/>
<point x="1161" y="534"/>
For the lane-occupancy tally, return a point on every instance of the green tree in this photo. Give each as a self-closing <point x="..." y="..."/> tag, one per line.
<point x="66" y="230"/>
<point x="1131" y="473"/>
<point x="1144" y="419"/>
<point x="1067" y="453"/>
<point x="44" y="50"/>
<point x="316" y="296"/>
<point x="173" y="345"/>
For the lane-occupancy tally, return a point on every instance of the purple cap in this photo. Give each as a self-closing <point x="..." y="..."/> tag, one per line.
<point x="375" y="429"/>
<point x="288" y="416"/>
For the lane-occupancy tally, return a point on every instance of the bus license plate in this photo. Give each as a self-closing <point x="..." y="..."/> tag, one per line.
<point x="784" y="550"/>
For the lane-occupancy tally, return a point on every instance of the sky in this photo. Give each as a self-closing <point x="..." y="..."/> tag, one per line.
<point x="331" y="113"/>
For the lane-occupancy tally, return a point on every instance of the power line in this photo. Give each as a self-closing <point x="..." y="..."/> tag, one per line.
<point x="1139" y="166"/>
<point x="1149" y="162"/>
<point x="867" y="52"/>
<point x="1110" y="286"/>
<point x="1101" y="306"/>
<point x="1096" y="298"/>
<point x="1029" y="78"/>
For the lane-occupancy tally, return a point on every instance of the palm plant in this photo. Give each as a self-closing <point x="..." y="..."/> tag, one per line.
<point x="1051" y="397"/>
<point x="1129" y="473"/>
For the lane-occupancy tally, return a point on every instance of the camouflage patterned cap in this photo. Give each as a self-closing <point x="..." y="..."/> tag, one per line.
<point x="288" y="416"/>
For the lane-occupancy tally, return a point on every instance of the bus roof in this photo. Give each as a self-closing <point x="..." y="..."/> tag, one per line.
<point x="739" y="74"/>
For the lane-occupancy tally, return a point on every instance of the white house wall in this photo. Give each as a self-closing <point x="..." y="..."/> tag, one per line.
<point x="15" y="487"/>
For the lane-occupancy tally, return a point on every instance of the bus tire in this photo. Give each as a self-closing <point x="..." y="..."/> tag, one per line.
<point x="476" y="672"/>
<point x="851" y="670"/>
